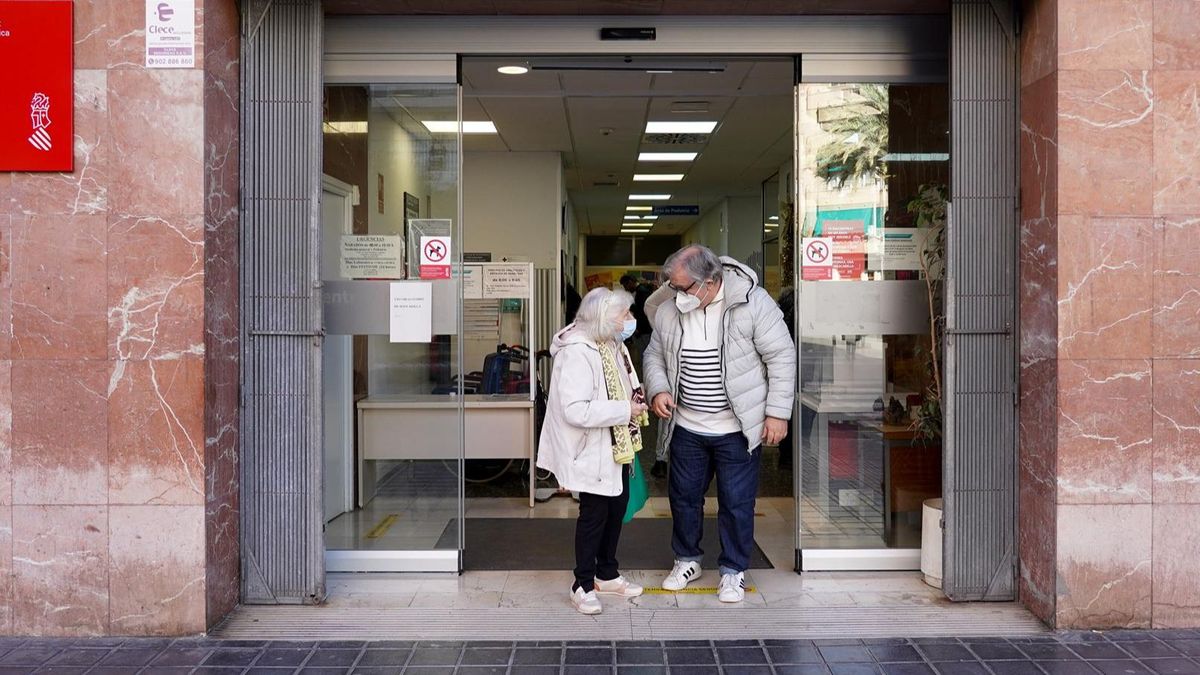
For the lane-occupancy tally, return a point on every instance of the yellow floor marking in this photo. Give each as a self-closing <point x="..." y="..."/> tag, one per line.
<point x="690" y="591"/>
<point x="383" y="526"/>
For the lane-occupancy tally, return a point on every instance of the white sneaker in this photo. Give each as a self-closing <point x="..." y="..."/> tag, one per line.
<point x="683" y="573"/>
<point x="732" y="588"/>
<point x="586" y="602"/>
<point x="619" y="586"/>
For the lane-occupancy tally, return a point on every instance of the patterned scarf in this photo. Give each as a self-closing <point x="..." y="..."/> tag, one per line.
<point x="626" y="438"/>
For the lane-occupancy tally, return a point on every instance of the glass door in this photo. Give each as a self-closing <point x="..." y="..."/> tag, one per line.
<point x="873" y="170"/>
<point x="392" y="373"/>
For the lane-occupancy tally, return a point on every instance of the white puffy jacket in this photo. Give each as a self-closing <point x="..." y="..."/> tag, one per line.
<point x="758" y="357"/>
<point x="576" y="441"/>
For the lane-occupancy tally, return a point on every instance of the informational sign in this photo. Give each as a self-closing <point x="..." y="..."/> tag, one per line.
<point x="902" y="248"/>
<point x="36" y="86"/>
<point x="477" y="257"/>
<point x="849" y="247"/>
<point x="435" y="258"/>
<point x="410" y="311"/>
<point x="675" y="210"/>
<point x="507" y="280"/>
<point x="817" y="261"/>
<point x="372" y="256"/>
<point x="472" y="279"/>
<point x="170" y="34"/>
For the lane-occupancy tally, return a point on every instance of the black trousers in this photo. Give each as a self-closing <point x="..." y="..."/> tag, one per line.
<point x="596" y="534"/>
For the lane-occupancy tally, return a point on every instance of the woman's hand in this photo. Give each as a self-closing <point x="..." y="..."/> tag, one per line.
<point x="636" y="409"/>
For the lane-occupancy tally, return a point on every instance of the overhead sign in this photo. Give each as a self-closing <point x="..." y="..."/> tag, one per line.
<point x="435" y="257"/>
<point x="817" y="263"/>
<point x="170" y="34"/>
<point x="675" y="210"/>
<point x="36" y="91"/>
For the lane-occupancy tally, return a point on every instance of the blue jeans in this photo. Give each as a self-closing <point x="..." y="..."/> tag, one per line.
<point x="695" y="460"/>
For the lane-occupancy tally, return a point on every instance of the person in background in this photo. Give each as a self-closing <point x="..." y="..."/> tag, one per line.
<point x="594" y="415"/>
<point x="641" y="291"/>
<point x="721" y="367"/>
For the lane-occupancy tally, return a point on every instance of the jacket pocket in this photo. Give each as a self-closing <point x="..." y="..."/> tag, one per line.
<point x="582" y="446"/>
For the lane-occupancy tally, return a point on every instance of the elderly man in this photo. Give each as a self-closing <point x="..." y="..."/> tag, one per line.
<point x="721" y="368"/>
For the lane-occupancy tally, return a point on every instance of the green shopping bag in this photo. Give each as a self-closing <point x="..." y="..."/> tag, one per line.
<point x="637" y="490"/>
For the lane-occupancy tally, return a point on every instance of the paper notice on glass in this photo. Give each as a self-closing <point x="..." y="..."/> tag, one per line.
<point x="472" y="282"/>
<point x="373" y="256"/>
<point x="507" y="280"/>
<point x="410" y="310"/>
<point x="902" y="247"/>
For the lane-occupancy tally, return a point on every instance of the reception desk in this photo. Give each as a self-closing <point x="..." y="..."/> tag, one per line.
<point x="427" y="427"/>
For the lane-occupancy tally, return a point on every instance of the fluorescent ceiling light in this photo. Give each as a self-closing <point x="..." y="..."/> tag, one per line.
<point x="634" y="217"/>
<point x="666" y="156"/>
<point x="633" y="207"/>
<point x="773" y="218"/>
<point x="649" y="197"/>
<point x="450" y="127"/>
<point x="769" y="225"/>
<point x="345" y="127"/>
<point x="680" y="127"/>
<point x="512" y="70"/>
<point x="635" y="231"/>
<point x="649" y="217"/>
<point x="647" y="177"/>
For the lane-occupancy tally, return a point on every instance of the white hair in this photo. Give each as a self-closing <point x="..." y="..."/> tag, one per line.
<point x="599" y="313"/>
<point x="700" y="263"/>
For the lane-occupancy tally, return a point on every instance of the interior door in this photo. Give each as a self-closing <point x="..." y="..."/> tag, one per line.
<point x="337" y="354"/>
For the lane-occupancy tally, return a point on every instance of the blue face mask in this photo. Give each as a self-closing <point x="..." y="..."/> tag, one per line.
<point x="628" y="328"/>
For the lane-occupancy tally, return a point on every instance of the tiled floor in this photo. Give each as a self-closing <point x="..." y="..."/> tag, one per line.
<point x="1162" y="652"/>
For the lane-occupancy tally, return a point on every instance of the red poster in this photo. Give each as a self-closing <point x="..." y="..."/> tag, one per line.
<point x="849" y="247"/>
<point x="36" y="90"/>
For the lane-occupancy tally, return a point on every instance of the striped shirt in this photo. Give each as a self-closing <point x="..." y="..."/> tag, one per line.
<point x="703" y="405"/>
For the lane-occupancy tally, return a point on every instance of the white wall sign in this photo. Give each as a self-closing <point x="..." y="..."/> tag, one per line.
<point x="372" y="256"/>
<point x="170" y="34"/>
<point x="507" y="280"/>
<point x="902" y="248"/>
<point x="472" y="282"/>
<point x="410" y="310"/>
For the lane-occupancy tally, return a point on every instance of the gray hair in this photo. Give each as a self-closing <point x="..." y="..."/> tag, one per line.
<point x="599" y="311"/>
<point x="700" y="263"/>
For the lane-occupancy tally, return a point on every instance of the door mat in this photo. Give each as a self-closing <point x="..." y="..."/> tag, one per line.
<point x="549" y="544"/>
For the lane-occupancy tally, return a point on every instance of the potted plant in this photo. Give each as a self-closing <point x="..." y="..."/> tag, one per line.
<point x="928" y="209"/>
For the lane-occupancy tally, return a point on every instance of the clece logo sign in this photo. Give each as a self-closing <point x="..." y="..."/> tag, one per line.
<point x="165" y="12"/>
<point x="36" y="116"/>
<point x="170" y="33"/>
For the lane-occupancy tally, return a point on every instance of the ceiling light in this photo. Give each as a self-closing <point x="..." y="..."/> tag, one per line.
<point x="666" y="156"/>
<point x="345" y="127"/>
<point x="649" y="197"/>
<point x="512" y="70"/>
<point x="634" y="217"/>
<point x="770" y="225"/>
<point x="680" y="127"/>
<point x="649" y="217"/>
<point x="773" y="218"/>
<point x="635" y="231"/>
<point x="450" y="127"/>
<point x="657" y="176"/>
<point x="632" y="207"/>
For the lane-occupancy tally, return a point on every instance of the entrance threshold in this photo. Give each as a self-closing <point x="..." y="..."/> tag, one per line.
<point x="518" y="606"/>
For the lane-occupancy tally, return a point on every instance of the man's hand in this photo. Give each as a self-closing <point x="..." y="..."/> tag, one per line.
<point x="774" y="429"/>
<point x="664" y="405"/>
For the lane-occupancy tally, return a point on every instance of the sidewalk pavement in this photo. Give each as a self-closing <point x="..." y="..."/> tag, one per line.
<point x="1075" y="653"/>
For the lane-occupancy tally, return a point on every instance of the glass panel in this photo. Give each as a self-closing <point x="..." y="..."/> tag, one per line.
<point x="391" y="233"/>
<point x="874" y="171"/>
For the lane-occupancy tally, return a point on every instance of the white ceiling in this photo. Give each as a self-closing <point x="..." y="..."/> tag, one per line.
<point x="566" y="110"/>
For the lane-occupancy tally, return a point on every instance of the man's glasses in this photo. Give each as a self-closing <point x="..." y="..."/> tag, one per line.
<point x="681" y="290"/>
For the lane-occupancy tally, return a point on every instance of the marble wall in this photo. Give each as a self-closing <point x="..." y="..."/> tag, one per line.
<point x="118" y="355"/>
<point x="1110" y="291"/>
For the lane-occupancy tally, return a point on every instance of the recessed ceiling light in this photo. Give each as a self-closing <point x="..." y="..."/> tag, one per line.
<point x="657" y="177"/>
<point x="649" y="217"/>
<point x="645" y="197"/>
<point x="666" y="156"/>
<point x="450" y="127"/>
<point x="633" y="207"/>
<point x="680" y="127"/>
<point x="769" y="225"/>
<point x="773" y="218"/>
<point x="512" y="70"/>
<point x="634" y="217"/>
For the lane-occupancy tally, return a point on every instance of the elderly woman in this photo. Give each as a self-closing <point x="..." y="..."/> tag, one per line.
<point x="594" y="415"/>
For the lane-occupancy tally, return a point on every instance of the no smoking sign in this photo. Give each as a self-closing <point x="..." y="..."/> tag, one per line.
<point x="435" y="257"/>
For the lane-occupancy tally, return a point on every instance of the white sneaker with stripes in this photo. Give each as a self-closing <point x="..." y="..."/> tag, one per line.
<point x="683" y="573"/>
<point x="732" y="588"/>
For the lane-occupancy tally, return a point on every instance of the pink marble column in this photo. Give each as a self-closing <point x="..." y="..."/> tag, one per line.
<point x="1119" y="232"/>
<point x="109" y="464"/>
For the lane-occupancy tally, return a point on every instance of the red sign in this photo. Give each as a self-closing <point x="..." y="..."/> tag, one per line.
<point x="849" y="247"/>
<point x="37" y="95"/>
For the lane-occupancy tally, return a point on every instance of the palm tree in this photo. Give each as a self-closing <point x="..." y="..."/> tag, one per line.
<point x="860" y="140"/>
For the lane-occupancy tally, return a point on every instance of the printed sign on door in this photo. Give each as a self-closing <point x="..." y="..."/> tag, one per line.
<point x="435" y="257"/>
<point x="817" y="263"/>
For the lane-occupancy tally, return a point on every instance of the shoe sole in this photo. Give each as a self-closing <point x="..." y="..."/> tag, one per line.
<point x="619" y="594"/>
<point x="730" y="602"/>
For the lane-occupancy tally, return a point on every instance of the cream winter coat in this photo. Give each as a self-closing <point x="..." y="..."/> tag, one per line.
<point x="576" y="441"/>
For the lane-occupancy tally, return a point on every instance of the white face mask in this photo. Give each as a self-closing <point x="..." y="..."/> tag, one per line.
<point x="628" y="328"/>
<point x="686" y="302"/>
